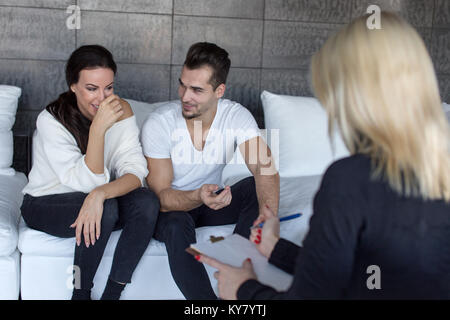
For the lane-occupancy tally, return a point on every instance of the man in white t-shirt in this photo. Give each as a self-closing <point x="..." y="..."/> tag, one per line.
<point x="187" y="144"/>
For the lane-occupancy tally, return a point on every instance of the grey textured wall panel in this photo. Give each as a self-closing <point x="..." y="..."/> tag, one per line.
<point x="331" y="11"/>
<point x="139" y="6"/>
<point x="441" y="50"/>
<point x="219" y="8"/>
<point x="241" y="38"/>
<point x="31" y="33"/>
<point x="291" y="44"/>
<point x="442" y="14"/>
<point x="243" y="87"/>
<point x="62" y="4"/>
<point x="26" y="121"/>
<point x="287" y="82"/>
<point x="23" y="127"/>
<point x="426" y="34"/>
<point x="444" y="87"/>
<point x="175" y="72"/>
<point x="270" y="43"/>
<point x="148" y="83"/>
<point x="41" y="81"/>
<point x="20" y="153"/>
<point x="132" y="38"/>
<point x="416" y="12"/>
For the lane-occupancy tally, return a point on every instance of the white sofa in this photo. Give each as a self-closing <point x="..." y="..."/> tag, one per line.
<point x="46" y="261"/>
<point x="11" y="184"/>
<point x="10" y="202"/>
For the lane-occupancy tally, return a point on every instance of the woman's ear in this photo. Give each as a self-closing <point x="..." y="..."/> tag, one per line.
<point x="72" y="88"/>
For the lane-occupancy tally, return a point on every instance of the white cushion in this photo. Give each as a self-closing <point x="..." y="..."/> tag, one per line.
<point x="10" y="202"/>
<point x="6" y="152"/>
<point x="9" y="96"/>
<point x="304" y="148"/>
<point x="141" y="109"/>
<point x="235" y="170"/>
<point x="37" y="243"/>
<point x="296" y="195"/>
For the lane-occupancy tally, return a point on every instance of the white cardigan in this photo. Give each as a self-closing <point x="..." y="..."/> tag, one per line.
<point x="59" y="166"/>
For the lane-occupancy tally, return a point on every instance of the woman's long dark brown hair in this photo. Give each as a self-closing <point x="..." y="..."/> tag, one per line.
<point x="65" y="108"/>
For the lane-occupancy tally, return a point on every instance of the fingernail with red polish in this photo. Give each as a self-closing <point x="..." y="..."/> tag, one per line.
<point x="197" y="257"/>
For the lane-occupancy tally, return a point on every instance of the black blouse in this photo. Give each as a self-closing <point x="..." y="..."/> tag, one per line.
<point x="365" y="242"/>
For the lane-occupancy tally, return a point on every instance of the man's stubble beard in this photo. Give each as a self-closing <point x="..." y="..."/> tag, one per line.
<point x="193" y="116"/>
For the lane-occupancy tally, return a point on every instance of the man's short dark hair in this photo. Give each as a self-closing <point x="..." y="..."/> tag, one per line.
<point x="209" y="54"/>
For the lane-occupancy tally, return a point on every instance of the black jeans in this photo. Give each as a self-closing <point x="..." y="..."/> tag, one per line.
<point x="177" y="230"/>
<point x="136" y="213"/>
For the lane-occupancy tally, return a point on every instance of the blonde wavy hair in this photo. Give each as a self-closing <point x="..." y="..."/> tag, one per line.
<point x="380" y="87"/>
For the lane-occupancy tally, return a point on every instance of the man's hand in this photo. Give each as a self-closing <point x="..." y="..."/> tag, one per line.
<point x="213" y="200"/>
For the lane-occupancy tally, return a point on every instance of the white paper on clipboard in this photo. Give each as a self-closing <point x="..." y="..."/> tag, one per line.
<point x="234" y="249"/>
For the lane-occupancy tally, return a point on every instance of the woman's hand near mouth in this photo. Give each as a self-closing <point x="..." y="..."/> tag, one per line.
<point x="108" y="113"/>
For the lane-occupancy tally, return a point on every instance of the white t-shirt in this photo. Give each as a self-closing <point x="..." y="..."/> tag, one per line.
<point x="59" y="165"/>
<point x="165" y="135"/>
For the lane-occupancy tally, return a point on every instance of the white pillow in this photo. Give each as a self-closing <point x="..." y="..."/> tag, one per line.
<point x="304" y="148"/>
<point x="142" y="109"/>
<point x="9" y="96"/>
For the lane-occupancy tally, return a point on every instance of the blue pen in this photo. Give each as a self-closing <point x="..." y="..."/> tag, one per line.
<point x="292" y="216"/>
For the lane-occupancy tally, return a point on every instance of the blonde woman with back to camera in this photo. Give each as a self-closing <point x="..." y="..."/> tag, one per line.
<point x="385" y="210"/>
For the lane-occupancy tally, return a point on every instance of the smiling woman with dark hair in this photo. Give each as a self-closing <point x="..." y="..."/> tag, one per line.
<point x="88" y="171"/>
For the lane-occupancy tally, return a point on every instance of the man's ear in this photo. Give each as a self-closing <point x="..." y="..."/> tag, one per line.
<point x="220" y="91"/>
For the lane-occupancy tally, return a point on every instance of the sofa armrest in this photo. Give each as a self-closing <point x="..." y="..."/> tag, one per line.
<point x="8" y="229"/>
<point x="10" y="201"/>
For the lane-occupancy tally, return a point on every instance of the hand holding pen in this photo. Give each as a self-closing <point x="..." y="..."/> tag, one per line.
<point x="285" y="218"/>
<point x="266" y="238"/>
<point x="266" y="234"/>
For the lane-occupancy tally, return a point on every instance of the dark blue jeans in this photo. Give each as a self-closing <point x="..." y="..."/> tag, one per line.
<point x="136" y="213"/>
<point x="177" y="230"/>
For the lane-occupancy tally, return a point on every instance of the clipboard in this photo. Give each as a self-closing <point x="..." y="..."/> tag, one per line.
<point x="234" y="249"/>
<point x="195" y="252"/>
